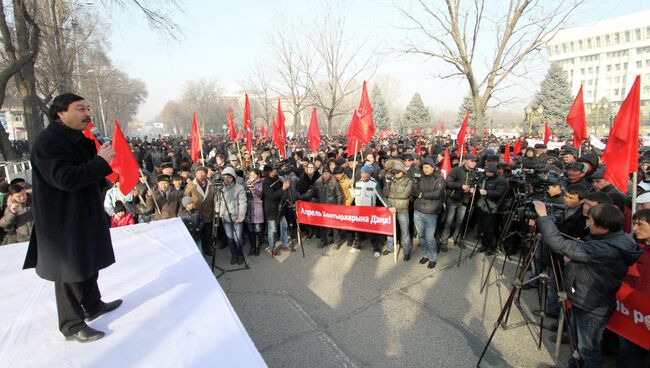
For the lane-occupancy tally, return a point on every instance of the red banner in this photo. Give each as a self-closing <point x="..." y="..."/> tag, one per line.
<point x="368" y="219"/>
<point x="628" y="318"/>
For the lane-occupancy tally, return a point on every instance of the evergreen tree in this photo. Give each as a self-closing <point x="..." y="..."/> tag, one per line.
<point x="467" y="105"/>
<point x="380" y="113"/>
<point x="554" y="95"/>
<point x="416" y="114"/>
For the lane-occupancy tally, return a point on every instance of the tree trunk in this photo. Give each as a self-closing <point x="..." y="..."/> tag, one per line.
<point x="295" y="123"/>
<point x="7" y="150"/>
<point x="479" y="115"/>
<point x="329" y="125"/>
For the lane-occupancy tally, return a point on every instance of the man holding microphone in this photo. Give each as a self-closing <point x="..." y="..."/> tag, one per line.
<point x="71" y="242"/>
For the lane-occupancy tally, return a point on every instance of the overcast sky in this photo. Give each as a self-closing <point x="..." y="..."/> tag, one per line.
<point x="222" y="38"/>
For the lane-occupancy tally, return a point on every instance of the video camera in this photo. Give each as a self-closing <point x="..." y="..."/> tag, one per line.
<point x="534" y="179"/>
<point x="527" y="208"/>
<point x="217" y="181"/>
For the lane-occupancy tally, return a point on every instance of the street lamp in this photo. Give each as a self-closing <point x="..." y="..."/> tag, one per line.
<point x="99" y="96"/>
<point x="533" y="113"/>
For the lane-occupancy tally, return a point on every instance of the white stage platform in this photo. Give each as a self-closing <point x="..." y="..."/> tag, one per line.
<point x="175" y="313"/>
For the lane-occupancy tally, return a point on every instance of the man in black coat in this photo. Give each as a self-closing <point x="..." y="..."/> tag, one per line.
<point x="492" y="189"/>
<point x="71" y="241"/>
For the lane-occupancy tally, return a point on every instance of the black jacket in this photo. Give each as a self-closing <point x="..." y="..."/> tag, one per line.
<point x="458" y="177"/>
<point x="496" y="188"/>
<point x="597" y="267"/>
<point x="272" y="189"/>
<point x="71" y="240"/>
<point x="306" y="182"/>
<point x="432" y="188"/>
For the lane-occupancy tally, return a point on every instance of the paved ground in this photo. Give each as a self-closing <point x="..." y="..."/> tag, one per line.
<point x="337" y="308"/>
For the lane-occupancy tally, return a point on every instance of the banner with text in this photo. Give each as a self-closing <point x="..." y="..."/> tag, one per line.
<point x="628" y="318"/>
<point x="377" y="220"/>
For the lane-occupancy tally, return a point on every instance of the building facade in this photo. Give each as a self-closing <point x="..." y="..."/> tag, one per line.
<point x="605" y="57"/>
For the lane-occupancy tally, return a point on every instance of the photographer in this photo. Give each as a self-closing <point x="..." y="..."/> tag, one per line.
<point x="492" y="190"/>
<point x="429" y="193"/>
<point x="398" y="188"/>
<point x="272" y="187"/>
<point x="201" y="191"/>
<point x="230" y="207"/>
<point x="594" y="270"/>
<point x="459" y="183"/>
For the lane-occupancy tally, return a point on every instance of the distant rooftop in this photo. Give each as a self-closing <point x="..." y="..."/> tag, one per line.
<point x="623" y="23"/>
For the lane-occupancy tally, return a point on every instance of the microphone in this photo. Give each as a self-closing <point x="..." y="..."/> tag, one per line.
<point x="99" y="136"/>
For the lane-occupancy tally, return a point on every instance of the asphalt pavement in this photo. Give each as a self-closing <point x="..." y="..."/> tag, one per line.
<point x="341" y="308"/>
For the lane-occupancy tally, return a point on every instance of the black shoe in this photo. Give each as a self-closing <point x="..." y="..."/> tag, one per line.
<point x="431" y="264"/>
<point x="407" y="257"/>
<point x="86" y="334"/>
<point x="256" y="252"/>
<point x="481" y="249"/>
<point x="490" y="252"/>
<point x="103" y="309"/>
<point x="240" y="260"/>
<point x="424" y="260"/>
<point x="233" y="260"/>
<point x="386" y="252"/>
<point x="443" y="247"/>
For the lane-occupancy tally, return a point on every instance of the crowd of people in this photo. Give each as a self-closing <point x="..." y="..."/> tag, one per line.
<point x="246" y="201"/>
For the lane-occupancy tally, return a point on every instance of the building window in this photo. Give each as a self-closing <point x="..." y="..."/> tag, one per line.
<point x="617" y="67"/>
<point x="589" y="43"/>
<point x="617" y="38"/>
<point x="617" y="79"/>
<point x="627" y="36"/>
<point x="598" y="41"/>
<point x="582" y="71"/>
<point x="580" y="45"/>
<point x="647" y="32"/>
<point x="615" y="91"/>
<point x="637" y="34"/>
<point x="572" y="45"/>
<point x="607" y="40"/>
<point x="597" y="69"/>
<point x="564" y="47"/>
<point x="591" y="70"/>
<point x="639" y="64"/>
<point x="609" y="68"/>
<point x="590" y="82"/>
<point x="646" y="90"/>
<point x="625" y="66"/>
<point x="647" y="63"/>
<point x="608" y="80"/>
<point x="589" y="94"/>
<point x="557" y="49"/>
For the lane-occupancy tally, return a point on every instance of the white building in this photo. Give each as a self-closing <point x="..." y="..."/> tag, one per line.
<point x="11" y="120"/>
<point x="605" y="57"/>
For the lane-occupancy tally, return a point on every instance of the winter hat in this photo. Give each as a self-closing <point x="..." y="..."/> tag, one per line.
<point x="119" y="207"/>
<point x="229" y="171"/>
<point x="186" y="200"/>
<point x="366" y="169"/>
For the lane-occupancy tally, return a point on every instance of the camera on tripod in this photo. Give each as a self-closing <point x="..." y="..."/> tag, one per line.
<point x="217" y="181"/>
<point x="527" y="209"/>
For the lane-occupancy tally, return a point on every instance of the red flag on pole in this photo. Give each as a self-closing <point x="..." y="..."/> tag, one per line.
<point x="279" y="133"/>
<point x="547" y="133"/>
<point x="195" y="139"/>
<point x="621" y="154"/>
<point x="240" y="135"/>
<point x="517" y="148"/>
<point x="112" y="176"/>
<point x="474" y="150"/>
<point x="418" y="150"/>
<point x="365" y="128"/>
<point x="577" y="120"/>
<point x="446" y="164"/>
<point x="354" y="142"/>
<point x="247" y="125"/>
<point x="313" y="134"/>
<point x="506" y="156"/>
<point x="231" y="125"/>
<point x="461" y="135"/>
<point x="124" y="163"/>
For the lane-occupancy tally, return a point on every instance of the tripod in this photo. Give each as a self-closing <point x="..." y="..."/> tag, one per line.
<point x="514" y="297"/>
<point x="460" y="239"/>
<point x="238" y="242"/>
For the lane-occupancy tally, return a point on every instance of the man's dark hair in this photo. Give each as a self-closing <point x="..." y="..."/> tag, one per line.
<point x="15" y="188"/>
<point x="607" y="216"/>
<point x="577" y="189"/>
<point x="61" y="103"/>
<point x="643" y="215"/>
<point x="598" y="197"/>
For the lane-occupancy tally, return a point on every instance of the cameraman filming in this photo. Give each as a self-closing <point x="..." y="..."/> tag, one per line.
<point x="492" y="190"/>
<point x="458" y="197"/>
<point x="594" y="271"/>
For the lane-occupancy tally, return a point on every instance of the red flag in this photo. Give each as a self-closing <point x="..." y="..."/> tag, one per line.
<point x="279" y="133"/>
<point x="472" y="131"/>
<point x="621" y="154"/>
<point x="461" y="135"/>
<point x="354" y="142"/>
<point x="240" y="135"/>
<point x="365" y="128"/>
<point x="195" y="139"/>
<point x="418" y="150"/>
<point x="517" y="148"/>
<point x="231" y="125"/>
<point x="577" y="120"/>
<point x="124" y="163"/>
<point x="446" y="164"/>
<point x="547" y="133"/>
<point x="313" y="134"/>
<point x="506" y="155"/>
<point x="474" y="151"/>
<point x="247" y="125"/>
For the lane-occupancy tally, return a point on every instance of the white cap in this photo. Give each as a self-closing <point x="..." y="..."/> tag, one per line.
<point x="643" y="198"/>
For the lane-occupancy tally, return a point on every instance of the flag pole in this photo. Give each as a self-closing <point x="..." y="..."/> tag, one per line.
<point x="149" y="189"/>
<point x="395" y="246"/>
<point x="634" y="178"/>
<point x="356" y="144"/>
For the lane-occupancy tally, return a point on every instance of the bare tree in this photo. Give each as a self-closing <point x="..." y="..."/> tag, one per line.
<point x="259" y="84"/>
<point x="293" y="61"/>
<point x="340" y="64"/>
<point x="451" y="33"/>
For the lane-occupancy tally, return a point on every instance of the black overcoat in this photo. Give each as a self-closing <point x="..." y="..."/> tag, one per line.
<point x="71" y="240"/>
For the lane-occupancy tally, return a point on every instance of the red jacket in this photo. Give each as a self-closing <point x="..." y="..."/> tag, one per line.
<point x="127" y="219"/>
<point x="638" y="275"/>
